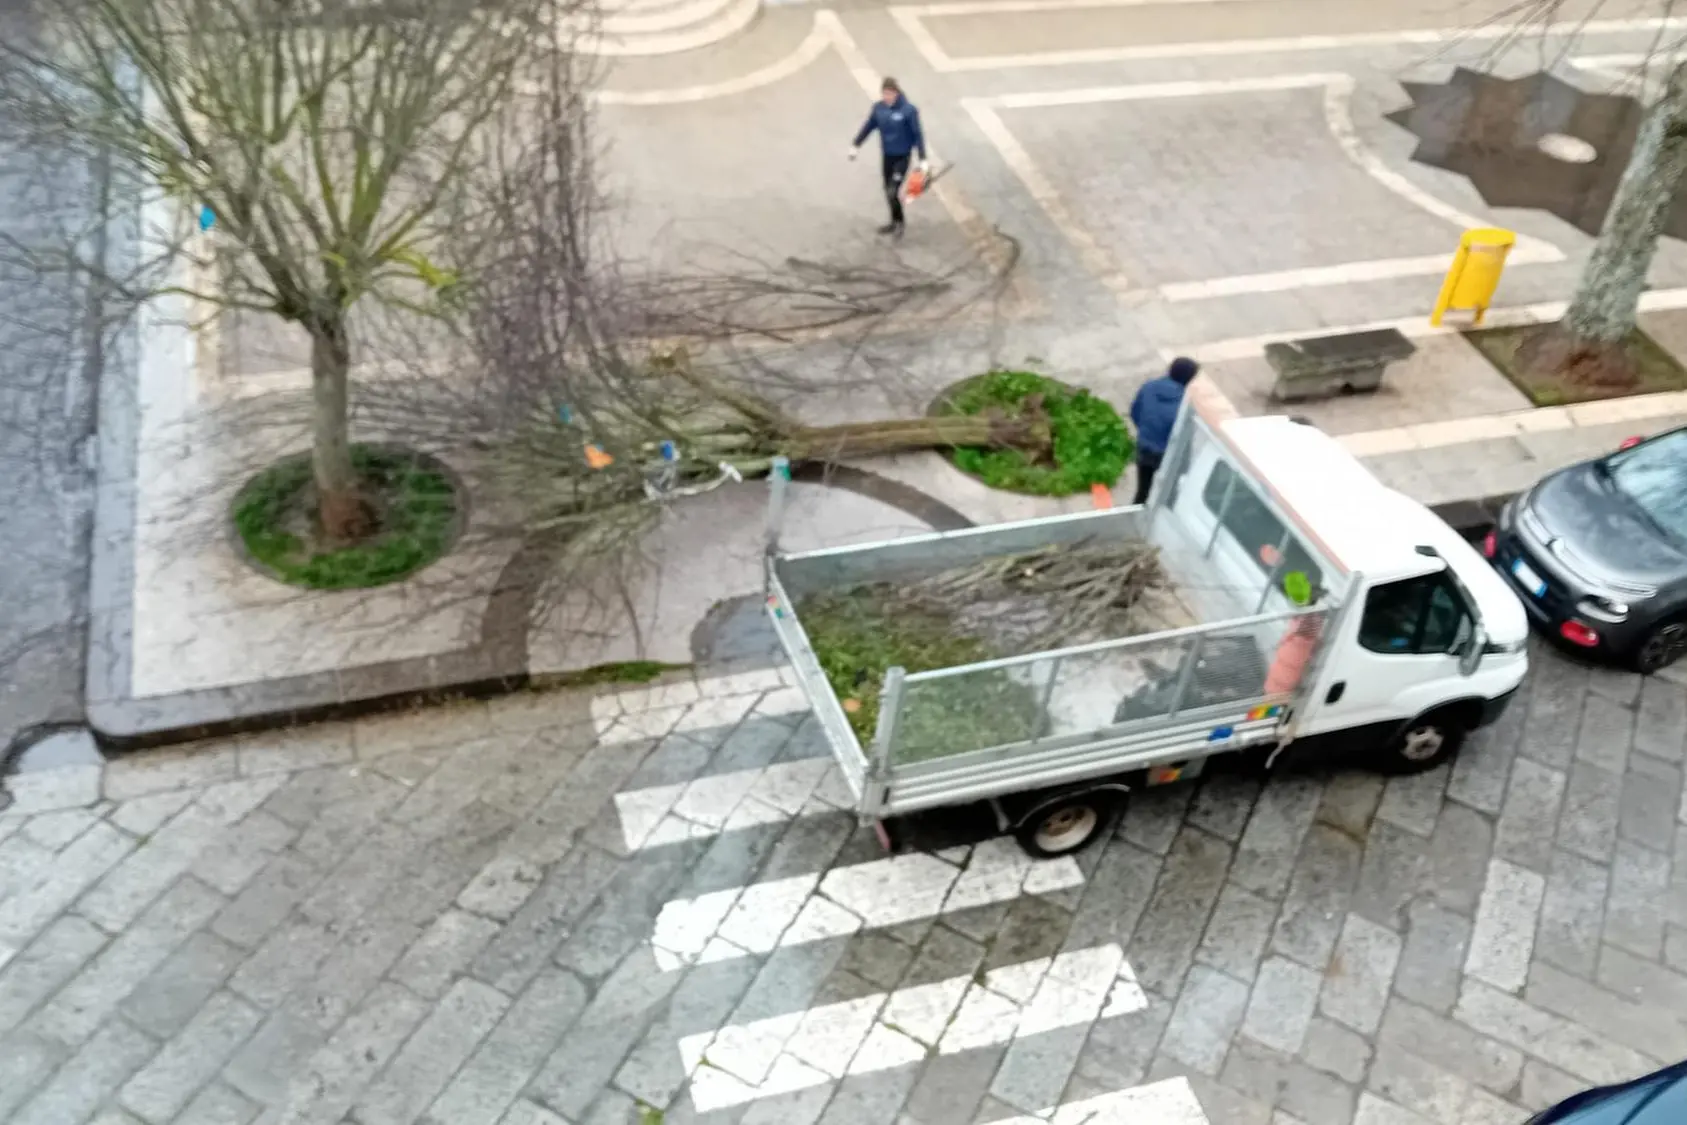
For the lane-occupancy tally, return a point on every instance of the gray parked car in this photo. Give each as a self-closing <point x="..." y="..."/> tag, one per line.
<point x="1598" y="552"/>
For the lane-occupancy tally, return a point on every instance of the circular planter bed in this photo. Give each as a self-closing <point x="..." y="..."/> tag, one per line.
<point x="1088" y="443"/>
<point x="418" y="507"/>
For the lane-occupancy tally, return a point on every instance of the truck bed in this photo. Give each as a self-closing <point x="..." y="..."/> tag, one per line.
<point x="1023" y="721"/>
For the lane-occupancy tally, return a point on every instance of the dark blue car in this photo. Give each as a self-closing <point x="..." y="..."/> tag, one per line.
<point x="1657" y="1099"/>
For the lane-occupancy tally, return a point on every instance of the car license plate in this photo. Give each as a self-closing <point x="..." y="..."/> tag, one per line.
<point x="1527" y="578"/>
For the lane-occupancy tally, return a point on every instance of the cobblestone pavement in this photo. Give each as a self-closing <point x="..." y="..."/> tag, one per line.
<point x="552" y="909"/>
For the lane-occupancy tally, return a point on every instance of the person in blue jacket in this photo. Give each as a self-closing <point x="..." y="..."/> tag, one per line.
<point x="1153" y="412"/>
<point x="900" y="136"/>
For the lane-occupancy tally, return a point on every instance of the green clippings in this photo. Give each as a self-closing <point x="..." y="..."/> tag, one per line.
<point x="859" y="635"/>
<point x="1090" y="444"/>
<point x="416" y="505"/>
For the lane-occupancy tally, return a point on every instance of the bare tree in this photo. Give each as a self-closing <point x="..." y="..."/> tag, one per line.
<point x="1602" y="314"/>
<point x="596" y="392"/>
<point x="323" y="148"/>
<point x="1590" y="343"/>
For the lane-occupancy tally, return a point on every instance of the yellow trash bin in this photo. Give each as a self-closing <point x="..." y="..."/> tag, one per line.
<point x="1475" y="273"/>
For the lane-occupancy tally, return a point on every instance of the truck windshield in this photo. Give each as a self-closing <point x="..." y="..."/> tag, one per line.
<point x="1654" y="476"/>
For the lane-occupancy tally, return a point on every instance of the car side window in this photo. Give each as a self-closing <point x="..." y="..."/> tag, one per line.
<point x="1414" y="616"/>
<point x="1445" y="620"/>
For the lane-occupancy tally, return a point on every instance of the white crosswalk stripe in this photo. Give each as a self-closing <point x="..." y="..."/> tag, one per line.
<point x="882" y="1031"/>
<point x="799" y="909"/>
<point x="708" y="806"/>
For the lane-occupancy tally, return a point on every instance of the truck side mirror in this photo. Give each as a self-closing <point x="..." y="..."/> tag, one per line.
<point x="1470" y="657"/>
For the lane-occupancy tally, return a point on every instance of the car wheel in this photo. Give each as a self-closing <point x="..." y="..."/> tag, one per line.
<point x="1663" y="646"/>
<point x="1067" y="825"/>
<point x="1422" y="744"/>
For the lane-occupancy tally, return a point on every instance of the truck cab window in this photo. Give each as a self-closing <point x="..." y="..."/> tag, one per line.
<point x="1415" y="615"/>
<point x="1254" y="527"/>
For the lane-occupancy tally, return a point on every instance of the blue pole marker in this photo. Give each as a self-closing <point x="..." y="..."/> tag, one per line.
<point x="566" y="413"/>
<point x="669" y="451"/>
<point x="207" y="218"/>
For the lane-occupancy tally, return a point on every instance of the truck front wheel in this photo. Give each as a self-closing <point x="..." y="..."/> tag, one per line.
<point x="1067" y="825"/>
<point x="1423" y="744"/>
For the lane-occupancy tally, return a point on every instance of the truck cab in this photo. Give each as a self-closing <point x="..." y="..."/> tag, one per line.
<point x="1431" y="643"/>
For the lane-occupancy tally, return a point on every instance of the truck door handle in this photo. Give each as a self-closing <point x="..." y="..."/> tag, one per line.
<point x="1336" y="690"/>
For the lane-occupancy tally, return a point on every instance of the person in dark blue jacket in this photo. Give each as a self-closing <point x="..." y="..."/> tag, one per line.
<point x="1153" y="411"/>
<point x="898" y="126"/>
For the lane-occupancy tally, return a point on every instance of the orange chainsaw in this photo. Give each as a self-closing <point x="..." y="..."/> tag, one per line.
<point x="919" y="182"/>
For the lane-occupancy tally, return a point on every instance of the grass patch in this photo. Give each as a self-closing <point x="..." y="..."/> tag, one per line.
<point x="1655" y="369"/>
<point x="416" y="509"/>
<point x="623" y="672"/>
<point x="859" y="635"/>
<point x="1089" y="446"/>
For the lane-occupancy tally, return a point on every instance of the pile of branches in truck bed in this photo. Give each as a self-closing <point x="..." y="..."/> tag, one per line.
<point x="1014" y="605"/>
<point x="1048" y="598"/>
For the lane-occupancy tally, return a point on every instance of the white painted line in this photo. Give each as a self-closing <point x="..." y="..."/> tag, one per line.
<point x="924" y="41"/>
<point x="800" y="909"/>
<point x="1154" y="91"/>
<point x="1013" y="154"/>
<point x="1339" y="116"/>
<point x="1348" y="273"/>
<point x="748" y="1061"/>
<point x="811" y="48"/>
<point x="1626" y="65"/>
<point x="1490" y="427"/>
<point x="941" y="60"/>
<point x="1338" y="90"/>
<point x="1171" y="1101"/>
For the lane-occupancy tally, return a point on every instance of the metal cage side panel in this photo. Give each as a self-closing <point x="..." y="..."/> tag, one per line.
<point x="846" y="748"/>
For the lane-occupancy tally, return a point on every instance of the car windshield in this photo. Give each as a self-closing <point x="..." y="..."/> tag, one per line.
<point x="1654" y="476"/>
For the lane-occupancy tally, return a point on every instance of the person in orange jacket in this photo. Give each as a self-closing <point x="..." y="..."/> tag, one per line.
<point x="1300" y="641"/>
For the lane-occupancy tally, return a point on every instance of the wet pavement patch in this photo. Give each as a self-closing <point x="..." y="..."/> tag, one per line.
<point x="1535" y="142"/>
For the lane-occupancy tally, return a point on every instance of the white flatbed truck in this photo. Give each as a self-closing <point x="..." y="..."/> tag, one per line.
<point x="1408" y="642"/>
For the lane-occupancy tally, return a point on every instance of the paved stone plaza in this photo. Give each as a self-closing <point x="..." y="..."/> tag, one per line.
<point x="1192" y="177"/>
<point x="652" y="906"/>
<point x="550" y="908"/>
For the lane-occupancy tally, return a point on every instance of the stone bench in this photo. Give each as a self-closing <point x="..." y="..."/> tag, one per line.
<point x="1322" y="366"/>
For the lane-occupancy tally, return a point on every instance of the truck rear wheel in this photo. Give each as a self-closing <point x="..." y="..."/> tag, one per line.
<point x="1067" y="825"/>
<point x="1422" y="744"/>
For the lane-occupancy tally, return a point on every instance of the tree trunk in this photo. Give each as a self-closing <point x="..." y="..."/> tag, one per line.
<point x="1602" y="314"/>
<point x="905" y="435"/>
<point x="341" y="508"/>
